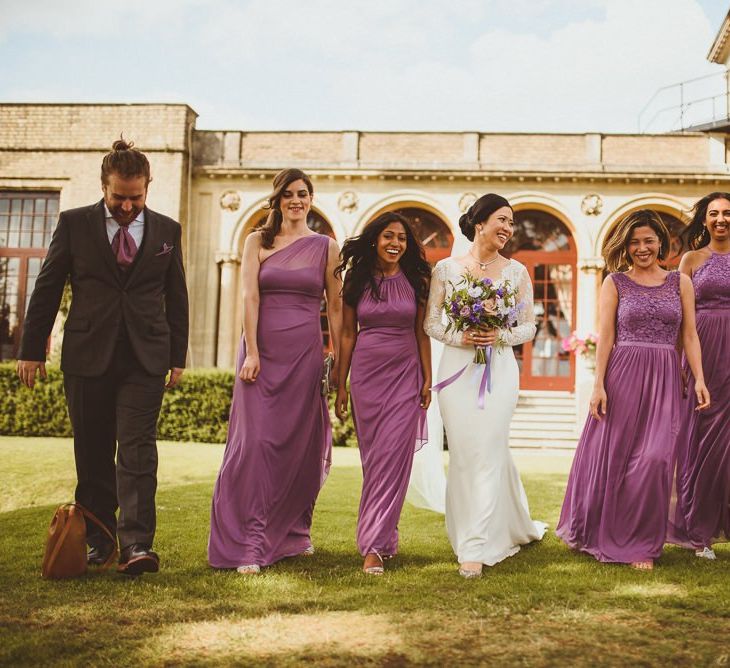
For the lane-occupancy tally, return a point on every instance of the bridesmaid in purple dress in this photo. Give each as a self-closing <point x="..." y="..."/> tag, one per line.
<point x="702" y="513"/>
<point x="385" y="293"/>
<point x="620" y="485"/>
<point x="279" y="440"/>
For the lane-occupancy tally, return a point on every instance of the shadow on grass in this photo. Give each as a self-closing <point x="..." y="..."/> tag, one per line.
<point x="543" y="605"/>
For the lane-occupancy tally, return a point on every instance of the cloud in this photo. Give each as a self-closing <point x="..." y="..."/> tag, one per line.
<point x="516" y="65"/>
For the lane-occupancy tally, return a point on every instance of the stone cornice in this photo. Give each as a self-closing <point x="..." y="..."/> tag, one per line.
<point x="576" y="174"/>
<point x="719" y="51"/>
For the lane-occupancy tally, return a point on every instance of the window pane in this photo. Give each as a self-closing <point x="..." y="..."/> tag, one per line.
<point x="26" y="218"/>
<point x="9" y="270"/>
<point x="39" y="228"/>
<point x="537" y="230"/>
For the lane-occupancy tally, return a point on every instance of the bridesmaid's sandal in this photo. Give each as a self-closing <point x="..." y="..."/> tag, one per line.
<point x="706" y="553"/>
<point x="309" y="552"/>
<point x="470" y="570"/>
<point x="373" y="564"/>
<point x="643" y="565"/>
<point x="249" y="569"/>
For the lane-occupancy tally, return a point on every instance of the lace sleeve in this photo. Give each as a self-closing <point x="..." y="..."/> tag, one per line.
<point x="433" y="323"/>
<point x="525" y="328"/>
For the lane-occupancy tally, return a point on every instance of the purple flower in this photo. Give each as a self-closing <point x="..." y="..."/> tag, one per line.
<point x="487" y="281"/>
<point x="500" y="292"/>
<point x="477" y="307"/>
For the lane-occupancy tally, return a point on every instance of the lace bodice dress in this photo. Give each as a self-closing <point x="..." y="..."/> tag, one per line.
<point x="487" y="515"/>
<point x="448" y="273"/>
<point x="702" y="514"/>
<point x="617" y="501"/>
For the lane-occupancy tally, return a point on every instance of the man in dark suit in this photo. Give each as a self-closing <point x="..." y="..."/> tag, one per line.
<point x="126" y="329"/>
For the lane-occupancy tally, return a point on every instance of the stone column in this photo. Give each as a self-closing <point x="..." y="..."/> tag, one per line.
<point x="228" y="309"/>
<point x="589" y="282"/>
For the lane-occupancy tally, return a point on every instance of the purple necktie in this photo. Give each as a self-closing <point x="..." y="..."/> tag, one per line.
<point x="123" y="247"/>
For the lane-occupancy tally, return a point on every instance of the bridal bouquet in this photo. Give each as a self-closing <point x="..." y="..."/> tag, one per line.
<point x="481" y="303"/>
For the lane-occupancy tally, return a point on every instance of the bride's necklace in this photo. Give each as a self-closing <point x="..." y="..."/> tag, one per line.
<point x="483" y="265"/>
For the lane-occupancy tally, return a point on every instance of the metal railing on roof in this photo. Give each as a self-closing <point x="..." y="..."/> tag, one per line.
<point x="697" y="104"/>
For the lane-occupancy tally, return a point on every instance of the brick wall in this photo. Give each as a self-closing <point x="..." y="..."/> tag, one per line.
<point x="399" y="147"/>
<point x="656" y="150"/>
<point x="532" y="149"/>
<point x="285" y="147"/>
<point x="61" y="147"/>
<point x="29" y="126"/>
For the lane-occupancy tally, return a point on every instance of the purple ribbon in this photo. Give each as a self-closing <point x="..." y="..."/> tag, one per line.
<point x="485" y="385"/>
<point x="486" y="382"/>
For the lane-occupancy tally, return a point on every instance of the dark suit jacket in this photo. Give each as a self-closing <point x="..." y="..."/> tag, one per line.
<point x="150" y="299"/>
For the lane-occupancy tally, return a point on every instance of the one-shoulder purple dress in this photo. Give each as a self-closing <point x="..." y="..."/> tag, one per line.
<point x="279" y="440"/>
<point x="619" y="488"/>
<point x="702" y="512"/>
<point x="385" y="383"/>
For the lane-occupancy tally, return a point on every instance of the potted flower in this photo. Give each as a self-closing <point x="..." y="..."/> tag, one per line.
<point x="585" y="346"/>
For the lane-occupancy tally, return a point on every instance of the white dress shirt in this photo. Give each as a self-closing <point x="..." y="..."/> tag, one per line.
<point x="136" y="227"/>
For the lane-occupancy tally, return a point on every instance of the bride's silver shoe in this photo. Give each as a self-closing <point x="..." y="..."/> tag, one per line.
<point x="249" y="569"/>
<point x="469" y="574"/>
<point x="706" y="553"/>
<point x="308" y="552"/>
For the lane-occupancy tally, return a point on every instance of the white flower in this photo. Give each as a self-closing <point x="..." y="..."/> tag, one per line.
<point x="475" y="291"/>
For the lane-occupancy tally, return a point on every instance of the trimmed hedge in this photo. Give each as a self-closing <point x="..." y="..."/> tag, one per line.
<point x="196" y="410"/>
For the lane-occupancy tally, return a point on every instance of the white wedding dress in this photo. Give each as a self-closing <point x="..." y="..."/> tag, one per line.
<point x="487" y="516"/>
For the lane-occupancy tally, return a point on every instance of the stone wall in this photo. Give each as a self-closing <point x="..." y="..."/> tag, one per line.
<point x="61" y="146"/>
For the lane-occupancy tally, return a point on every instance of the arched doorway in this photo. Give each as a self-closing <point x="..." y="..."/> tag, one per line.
<point x="545" y="245"/>
<point x="677" y="247"/>
<point x="432" y="231"/>
<point x="315" y="222"/>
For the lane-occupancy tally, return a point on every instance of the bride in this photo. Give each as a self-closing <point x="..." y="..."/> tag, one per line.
<point x="487" y="516"/>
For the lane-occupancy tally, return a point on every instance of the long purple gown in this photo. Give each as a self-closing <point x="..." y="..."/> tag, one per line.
<point x="619" y="488"/>
<point x="385" y="383"/>
<point x="702" y="512"/>
<point x="279" y="440"/>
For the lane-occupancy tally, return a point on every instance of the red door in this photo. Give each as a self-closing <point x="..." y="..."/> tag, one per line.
<point x="543" y="363"/>
<point x="544" y="244"/>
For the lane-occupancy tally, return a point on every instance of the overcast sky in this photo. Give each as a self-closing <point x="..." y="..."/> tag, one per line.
<point x="486" y="65"/>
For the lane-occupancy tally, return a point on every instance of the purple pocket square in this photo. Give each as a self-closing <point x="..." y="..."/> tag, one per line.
<point x="164" y="250"/>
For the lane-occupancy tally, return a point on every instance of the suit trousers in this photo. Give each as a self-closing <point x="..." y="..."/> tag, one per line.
<point x="116" y="413"/>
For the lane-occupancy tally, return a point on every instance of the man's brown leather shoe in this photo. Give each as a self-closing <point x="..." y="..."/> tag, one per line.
<point x="137" y="559"/>
<point x="98" y="555"/>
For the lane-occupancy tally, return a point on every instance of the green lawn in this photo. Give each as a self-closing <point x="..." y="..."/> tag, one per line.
<point x="544" y="606"/>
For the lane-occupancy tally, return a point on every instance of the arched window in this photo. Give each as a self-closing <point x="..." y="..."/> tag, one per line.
<point x="315" y="222"/>
<point x="676" y="244"/>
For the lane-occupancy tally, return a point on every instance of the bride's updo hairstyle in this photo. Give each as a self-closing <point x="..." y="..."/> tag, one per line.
<point x="478" y="213"/>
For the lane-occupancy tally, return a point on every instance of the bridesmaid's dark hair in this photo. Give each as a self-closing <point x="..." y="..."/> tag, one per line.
<point x="615" y="249"/>
<point x="478" y="213"/>
<point x="359" y="257"/>
<point x="696" y="233"/>
<point x="272" y="226"/>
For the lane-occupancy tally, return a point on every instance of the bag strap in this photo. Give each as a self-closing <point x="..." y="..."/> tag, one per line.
<point x="89" y="515"/>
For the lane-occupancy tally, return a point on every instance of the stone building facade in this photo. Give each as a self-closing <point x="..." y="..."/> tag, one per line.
<point x="567" y="190"/>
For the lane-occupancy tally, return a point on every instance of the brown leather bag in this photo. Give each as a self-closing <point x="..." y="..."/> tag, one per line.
<point x="65" y="555"/>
